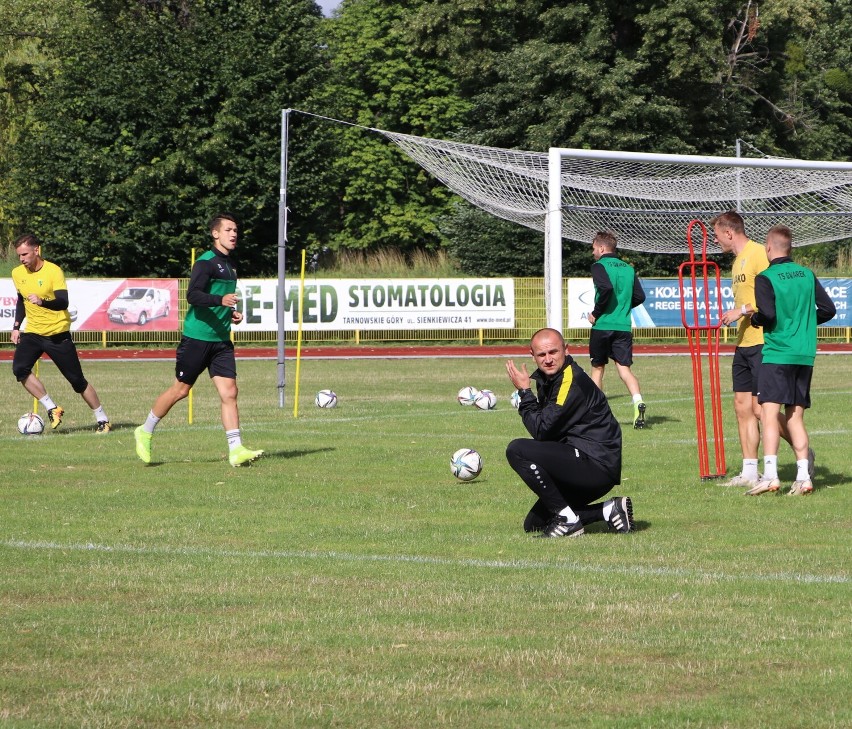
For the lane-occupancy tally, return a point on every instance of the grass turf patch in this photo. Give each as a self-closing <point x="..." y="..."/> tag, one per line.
<point x="346" y="579"/>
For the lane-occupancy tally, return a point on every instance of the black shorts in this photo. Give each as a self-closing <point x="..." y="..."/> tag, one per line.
<point x="785" y="384"/>
<point x="194" y="356"/>
<point x="745" y="368"/>
<point x="604" y="344"/>
<point x="59" y="347"/>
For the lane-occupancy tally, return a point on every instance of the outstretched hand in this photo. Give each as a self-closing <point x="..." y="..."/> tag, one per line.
<point x="520" y="377"/>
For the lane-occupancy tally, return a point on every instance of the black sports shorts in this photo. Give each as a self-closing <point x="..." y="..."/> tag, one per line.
<point x="194" y="356"/>
<point x="745" y="368"/>
<point x="785" y="384"/>
<point x="604" y="344"/>
<point x="59" y="347"/>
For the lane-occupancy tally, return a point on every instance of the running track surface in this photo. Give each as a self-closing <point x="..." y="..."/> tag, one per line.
<point x="396" y="352"/>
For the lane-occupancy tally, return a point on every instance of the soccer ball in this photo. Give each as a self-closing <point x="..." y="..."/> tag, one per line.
<point x="466" y="464"/>
<point x="515" y="399"/>
<point x="467" y="395"/>
<point x="30" y="424"/>
<point x="485" y="400"/>
<point x="326" y="399"/>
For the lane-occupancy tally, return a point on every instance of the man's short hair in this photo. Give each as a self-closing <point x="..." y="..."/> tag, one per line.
<point x="782" y="238"/>
<point x="27" y="239"/>
<point x="606" y="239"/>
<point x="218" y="218"/>
<point x="548" y="330"/>
<point x="731" y="220"/>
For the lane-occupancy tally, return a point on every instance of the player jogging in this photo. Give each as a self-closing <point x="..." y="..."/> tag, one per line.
<point x="791" y="302"/>
<point x="206" y="342"/>
<point x="43" y="302"/>
<point x="617" y="291"/>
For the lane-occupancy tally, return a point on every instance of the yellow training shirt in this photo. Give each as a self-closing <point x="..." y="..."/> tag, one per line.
<point x="750" y="262"/>
<point x="42" y="283"/>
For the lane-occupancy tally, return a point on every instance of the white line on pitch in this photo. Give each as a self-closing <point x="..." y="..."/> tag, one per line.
<point x="632" y="570"/>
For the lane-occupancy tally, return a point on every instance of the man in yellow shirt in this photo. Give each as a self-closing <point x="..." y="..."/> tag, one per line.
<point x="43" y="302"/>
<point x="729" y="230"/>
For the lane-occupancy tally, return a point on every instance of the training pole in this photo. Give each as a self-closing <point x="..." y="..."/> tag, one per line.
<point x="282" y="251"/>
<point x="189" y="398"/>
<point x="702" y="331"/>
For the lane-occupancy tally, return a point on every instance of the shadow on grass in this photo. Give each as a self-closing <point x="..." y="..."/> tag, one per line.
<point x="294" y="454"/>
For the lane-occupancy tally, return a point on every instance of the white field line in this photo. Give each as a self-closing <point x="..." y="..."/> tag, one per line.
<point x="697" y="576"/>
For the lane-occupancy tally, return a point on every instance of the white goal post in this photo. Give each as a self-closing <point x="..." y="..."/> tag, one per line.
<point x="648" y="199"/>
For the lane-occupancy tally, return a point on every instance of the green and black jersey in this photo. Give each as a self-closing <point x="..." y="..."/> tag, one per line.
<point x="791" y="302"/>
<point x="617" y="291"/>
<point x="213" y="276"/>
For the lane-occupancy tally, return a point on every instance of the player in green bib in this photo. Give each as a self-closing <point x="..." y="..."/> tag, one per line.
<point x="617" y="291"/>
<point x="206" y="343"/>
<point x="791" y="302"/>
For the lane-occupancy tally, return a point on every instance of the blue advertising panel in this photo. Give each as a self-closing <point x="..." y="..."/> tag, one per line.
<point x="662" y="302"/>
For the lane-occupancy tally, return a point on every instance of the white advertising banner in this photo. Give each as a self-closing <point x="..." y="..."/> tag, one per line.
<point x="381" y="304"/>
<point x="329" y="304"/>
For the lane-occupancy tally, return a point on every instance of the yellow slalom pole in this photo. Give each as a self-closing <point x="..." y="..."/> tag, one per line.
<point x="189" y="411"/>
<point x="35" y="399"/>
<point x="299" y="338"/>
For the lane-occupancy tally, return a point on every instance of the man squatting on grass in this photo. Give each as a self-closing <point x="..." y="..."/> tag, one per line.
<point x="43" y="302"/>
<point x="791" y="302"/>
<point x="206" y="342"/>
<point x="574" y="457"/>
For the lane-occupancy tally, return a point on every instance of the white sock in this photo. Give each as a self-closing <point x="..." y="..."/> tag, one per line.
<point x="637" y="398"/>
<point x="100" y="414"/>
<point x="47" y="401"/>
<point x="802" y="470"/>
<point x="569" y="514"/>
<point x="770" y="467"/>
<point x="234" y="440"/>
<point x="750" y="468"/>
<point x="150" y="423"/>
<point x="607" y="508"/>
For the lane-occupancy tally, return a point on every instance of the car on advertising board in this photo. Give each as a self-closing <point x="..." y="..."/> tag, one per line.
<point x="139" y="304"/>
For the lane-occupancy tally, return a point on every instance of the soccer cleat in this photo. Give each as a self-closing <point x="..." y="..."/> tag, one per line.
<point x="104" y="426"/>
<point x="639" y="416"/>
<point x="241" y="455"/>
<point x="143" y="444"/>
<point x="54" y="416"/>
<point x="559" y="526"/>
<point x="621" y="516"/>
<point x="765" y="485"/>
<point x="801" y="488"/>
<point x="742" y="481"/>
<point x="811" y="463"/>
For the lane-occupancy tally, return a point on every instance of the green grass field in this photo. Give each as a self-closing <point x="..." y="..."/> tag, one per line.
<point x="347" y="580"/>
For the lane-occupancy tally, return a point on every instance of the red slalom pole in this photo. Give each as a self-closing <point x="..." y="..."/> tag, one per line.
<point x="703" y="325"/>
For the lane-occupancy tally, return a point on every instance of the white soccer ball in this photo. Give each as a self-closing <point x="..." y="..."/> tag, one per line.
<point x="485" y="400"/>
<point x="30" y="424"/>
<point x="467" y="395"/>
<point x="326" y="399"/>
<point x="466" y="464"/>
<point x="515" y="399"/>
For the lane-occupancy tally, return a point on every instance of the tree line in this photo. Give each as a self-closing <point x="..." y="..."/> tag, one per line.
<point x="125" y="124"/>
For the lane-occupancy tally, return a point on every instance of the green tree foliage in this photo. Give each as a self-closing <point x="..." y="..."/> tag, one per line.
<point x="377" y="78"/>
<point x="167" y="113"/>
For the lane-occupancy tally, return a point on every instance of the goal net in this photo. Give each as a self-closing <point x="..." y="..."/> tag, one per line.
<point x="647" y="200"/>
